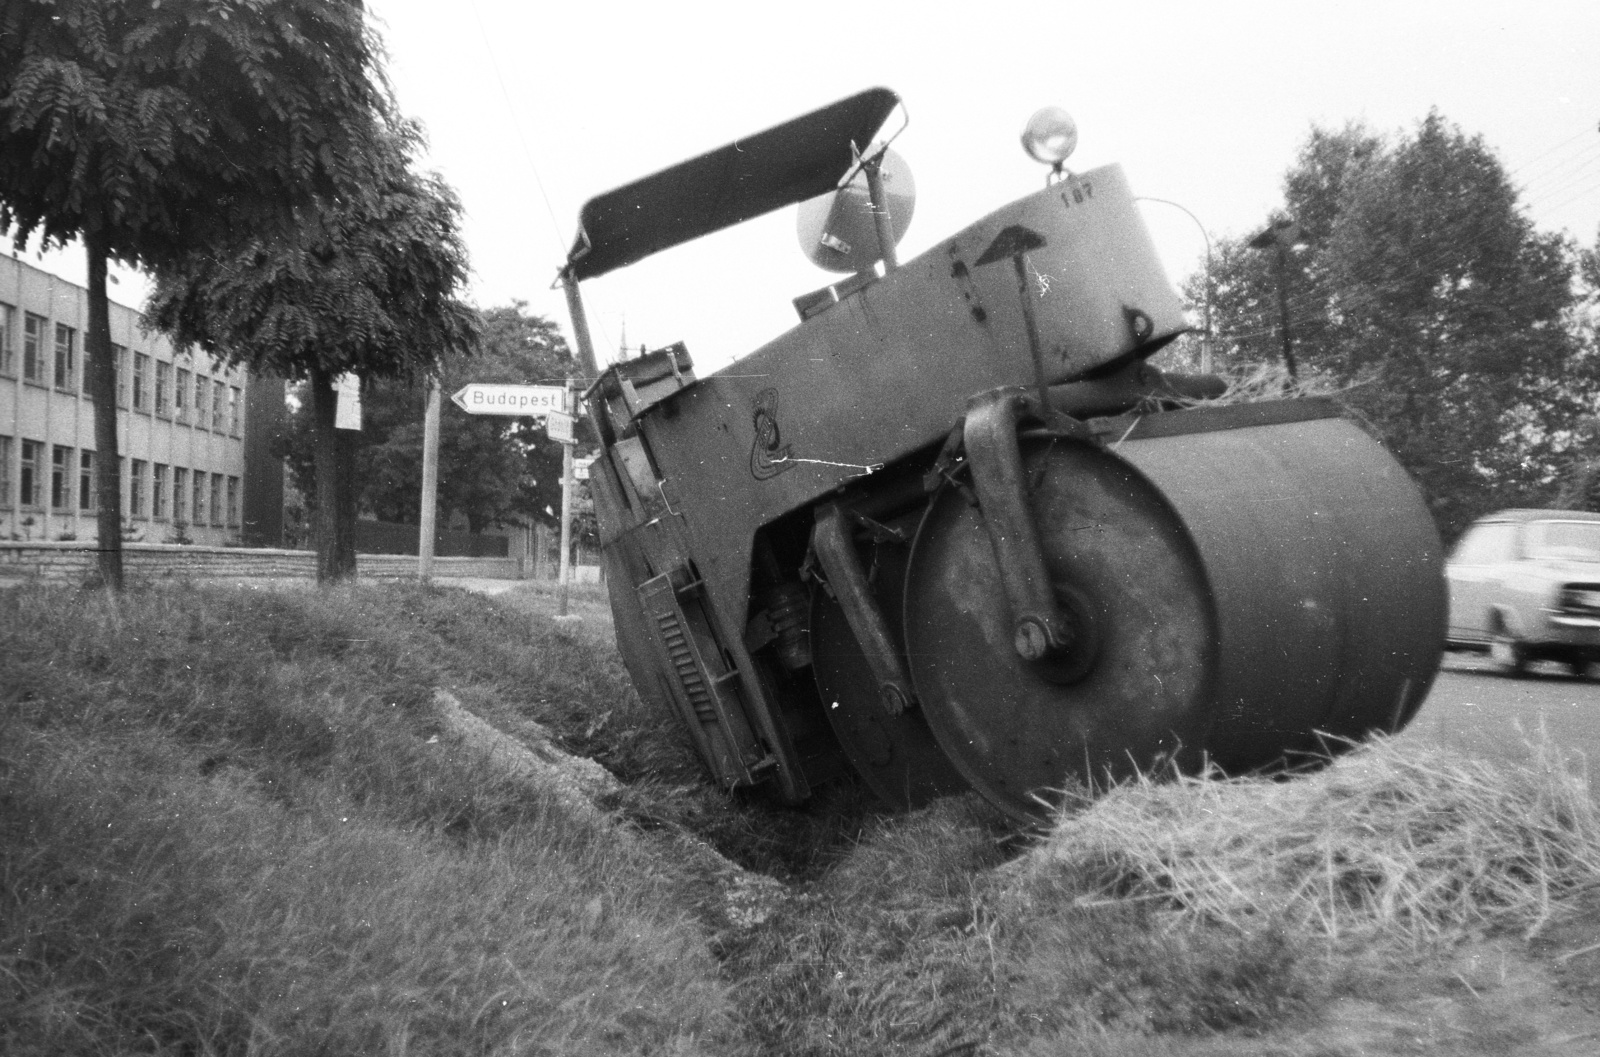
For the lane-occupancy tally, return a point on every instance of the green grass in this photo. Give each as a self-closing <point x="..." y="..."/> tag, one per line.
<point x="231" y="827"/>
<point x="232" y="822"/>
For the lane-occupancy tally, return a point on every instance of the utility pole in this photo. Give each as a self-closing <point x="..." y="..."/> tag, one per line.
<point x="1280" y="236"/>
<point x="566" y="513"/>
<point x="430" y="483"/>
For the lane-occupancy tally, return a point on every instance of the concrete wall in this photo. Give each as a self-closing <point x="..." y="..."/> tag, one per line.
<point x="154" y="561"/>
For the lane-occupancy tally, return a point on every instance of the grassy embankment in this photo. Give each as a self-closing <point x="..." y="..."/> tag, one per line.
<point x="231" y="821"/>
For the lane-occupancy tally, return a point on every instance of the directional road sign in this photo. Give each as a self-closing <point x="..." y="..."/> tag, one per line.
<point x="488" y="398"/>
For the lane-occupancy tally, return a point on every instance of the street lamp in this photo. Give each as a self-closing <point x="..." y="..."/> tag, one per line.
<point x="1281" y="235"/>
<point x="1205" y="337"/>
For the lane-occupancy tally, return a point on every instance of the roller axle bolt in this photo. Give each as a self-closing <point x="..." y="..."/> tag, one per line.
<point x="1033" y="639"/>
<point x="894" y="698"/>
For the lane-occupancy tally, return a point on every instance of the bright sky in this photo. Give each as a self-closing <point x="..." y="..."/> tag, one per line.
<point x="532" y="108"/>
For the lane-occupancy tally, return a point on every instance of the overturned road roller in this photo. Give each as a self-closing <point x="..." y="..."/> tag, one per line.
<point x="953" y="530"/>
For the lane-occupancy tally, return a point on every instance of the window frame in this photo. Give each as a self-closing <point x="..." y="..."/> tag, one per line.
<point x="61" y="479"/>
<point x="141" y="371"/>
<point x="202" y="387"/>
<point x="29" y="480"/>
<point x="119" y="368"/>
<point x="158" y="491"/>
<point x="6" y="444"/>
<point x="88" y="494"/>
<point x="180" y="497"/>
<point x="136" y="489"/>
<point x="65" y="380"/>
<point x="163" y="381"/>
<point x="8" y="316"/>
<point x="33" y="339"/>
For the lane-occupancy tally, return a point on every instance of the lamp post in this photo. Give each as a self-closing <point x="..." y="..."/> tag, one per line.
<point x="1281" y="235"/>
<point x="1205" y="336"/>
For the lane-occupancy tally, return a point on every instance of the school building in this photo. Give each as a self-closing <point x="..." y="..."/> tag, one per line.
<point x="196" y="439"/>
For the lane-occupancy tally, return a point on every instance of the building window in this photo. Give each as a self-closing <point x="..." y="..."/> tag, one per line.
<point x="7" y="364"/>
<point x="141" y="372"/>
<point x="163" y="387"/>
<point x="33" y="348"/>
<point x="201" y="388"/>
<point x="86" y="490"/>
<point x="180" y="396"/>
<point x="28" y="479"/>
<point x="219" y="398"/>
<point x="66" y="357"/>
<point x="5" y="472"/>
<point x="180" y="494"/>
<point x="198" y="507"/>
<point x="136" y="489"/>
<point x="235" y="407"/>
<point x="233" y="502"/>
<point x="158" y="491"/>
<point x="60" y="478"/>
<point x="119" y="370"/>
<point x="216" y="499"/>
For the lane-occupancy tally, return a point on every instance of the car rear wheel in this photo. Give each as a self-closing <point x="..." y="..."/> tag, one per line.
<point x="1509" y="654"/>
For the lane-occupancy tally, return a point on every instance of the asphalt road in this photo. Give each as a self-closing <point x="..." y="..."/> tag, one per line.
<point x="1474" y="708"/>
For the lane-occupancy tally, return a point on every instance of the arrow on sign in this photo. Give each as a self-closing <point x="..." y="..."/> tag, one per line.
<point x="487" y="398"/>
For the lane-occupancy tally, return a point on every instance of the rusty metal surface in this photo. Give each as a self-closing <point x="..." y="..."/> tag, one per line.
<point x="1012" y="730"/>
<point x="1327" y="573"/>
<point x="890" y="369"/>
<point x="847" y="583"/>
<point x="798" y="159"/>
<point x="1251" y="587"/>
<point x="895" y="755"/>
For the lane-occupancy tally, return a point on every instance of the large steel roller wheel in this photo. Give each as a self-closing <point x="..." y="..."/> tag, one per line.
<point x="1258" y="586"/>
<point x="1120" y="561"/>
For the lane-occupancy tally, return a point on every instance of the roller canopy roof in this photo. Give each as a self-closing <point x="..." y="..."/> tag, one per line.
<point x="792" y="162"/>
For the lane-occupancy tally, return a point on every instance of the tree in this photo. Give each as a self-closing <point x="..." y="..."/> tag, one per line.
<point x="1580" y="484"/>
<point x="365" y="284"/>
<point x="152" y="130"/>
<point x="1422" y="287"/>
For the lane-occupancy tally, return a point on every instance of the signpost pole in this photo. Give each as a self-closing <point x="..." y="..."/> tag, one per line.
<point x="430" y="483"/>
<point x="566" y="511"/>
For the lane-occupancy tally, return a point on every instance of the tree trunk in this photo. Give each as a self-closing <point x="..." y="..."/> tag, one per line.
<point x="334" y="525"/>
<point x="100" y="378"/>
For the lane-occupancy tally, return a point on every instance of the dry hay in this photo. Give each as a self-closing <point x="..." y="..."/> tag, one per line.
<point x="1416" y="843"/>
<point x="1251" y="383"/>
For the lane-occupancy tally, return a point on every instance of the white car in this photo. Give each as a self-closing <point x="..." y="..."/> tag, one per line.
<point x="1525" y="586"/>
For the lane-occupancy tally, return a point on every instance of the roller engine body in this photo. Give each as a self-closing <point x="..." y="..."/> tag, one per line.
<point x="953" y="530"/>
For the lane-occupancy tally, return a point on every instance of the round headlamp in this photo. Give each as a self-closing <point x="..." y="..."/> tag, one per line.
<point x="1050" y="136"/>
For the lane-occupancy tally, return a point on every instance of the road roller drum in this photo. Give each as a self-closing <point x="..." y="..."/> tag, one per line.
<point x="1243" y="600"/>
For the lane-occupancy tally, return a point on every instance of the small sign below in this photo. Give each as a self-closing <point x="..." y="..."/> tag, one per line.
<point x="347" y="406"/>
<point x="558" y="426"/>
<point x="580" y="467"/>
<point x="490" y="398"/>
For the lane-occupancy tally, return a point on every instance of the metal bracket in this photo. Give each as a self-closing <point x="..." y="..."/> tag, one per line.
<point x="836" y="552"/>
<point x="989" y="437"/>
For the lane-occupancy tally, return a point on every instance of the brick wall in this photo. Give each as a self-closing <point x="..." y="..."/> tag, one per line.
<point x="153" y="561"/>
